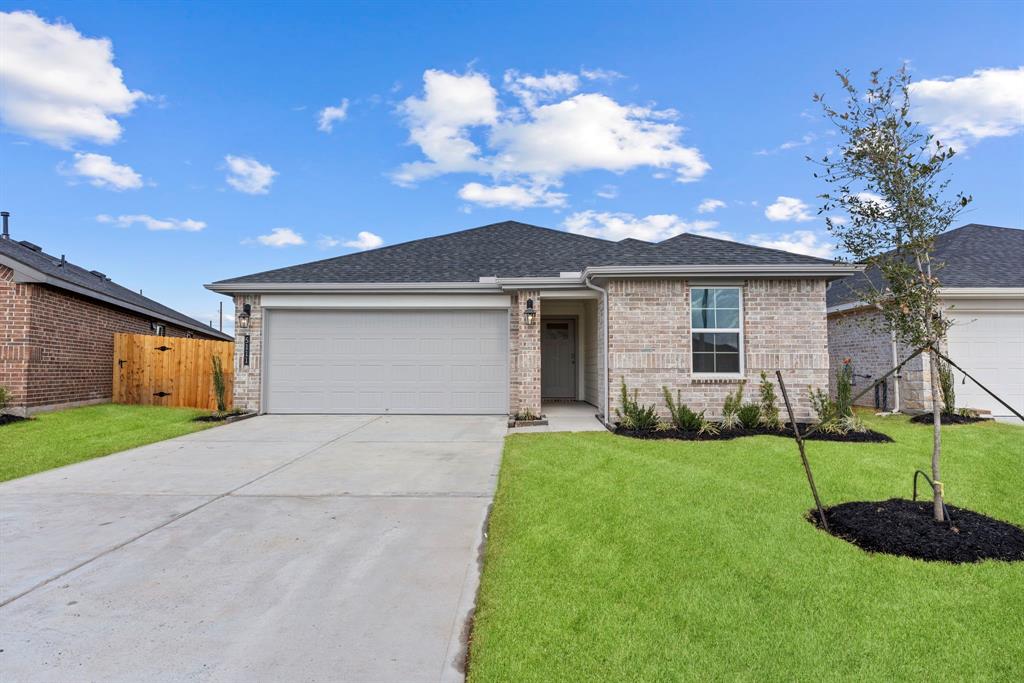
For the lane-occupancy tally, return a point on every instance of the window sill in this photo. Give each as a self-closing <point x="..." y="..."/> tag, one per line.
<point x="732" y="378"/>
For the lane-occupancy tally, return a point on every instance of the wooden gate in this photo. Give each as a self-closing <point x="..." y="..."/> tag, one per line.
<point x="170" y="371"/>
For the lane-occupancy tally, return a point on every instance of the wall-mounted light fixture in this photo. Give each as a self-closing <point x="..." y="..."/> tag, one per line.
<point x="243" y="317"/>
<point x="530" y="314"/>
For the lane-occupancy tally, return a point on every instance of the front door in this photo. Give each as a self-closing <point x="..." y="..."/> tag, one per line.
<point x="558" y="359"/>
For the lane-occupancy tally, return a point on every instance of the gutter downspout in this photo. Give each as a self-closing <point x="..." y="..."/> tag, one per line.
<point x="604" y="380"/>
<point x="896" y="382"/>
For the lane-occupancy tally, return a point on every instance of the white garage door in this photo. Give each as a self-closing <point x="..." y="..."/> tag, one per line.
<point x="990" y="346"/>
<point x="435" y="362"/>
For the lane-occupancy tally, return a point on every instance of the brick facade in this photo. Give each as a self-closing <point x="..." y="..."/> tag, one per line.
<point x="649" y="341"/>
<point x="56" y="347"/>
<point x="249" y="378"/>
<point x="784" y="328"/>
<point x="863" y="337"/>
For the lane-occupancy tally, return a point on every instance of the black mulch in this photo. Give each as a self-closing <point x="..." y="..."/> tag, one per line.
<point x="6" y="419"/>
<point x="210" y="418"/>
<point x="946" y="419"/>
<point x="869" y="436"/>
<point x="907" y="528"/>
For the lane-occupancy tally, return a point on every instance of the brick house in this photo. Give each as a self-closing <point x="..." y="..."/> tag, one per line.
<point x="982" y="291"/>
<point x="57" y="325"/>
<point x="501" y="318"/>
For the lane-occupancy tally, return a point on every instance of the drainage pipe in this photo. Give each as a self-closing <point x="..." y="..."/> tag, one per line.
<point x="896" y="380"/>
<point x="604" y="381"/>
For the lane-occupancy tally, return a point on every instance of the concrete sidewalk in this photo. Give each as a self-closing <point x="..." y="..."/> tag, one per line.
<point x="314" y="548"/>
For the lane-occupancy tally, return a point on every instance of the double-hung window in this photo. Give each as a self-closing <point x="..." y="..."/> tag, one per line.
<point x="716" y="315"/>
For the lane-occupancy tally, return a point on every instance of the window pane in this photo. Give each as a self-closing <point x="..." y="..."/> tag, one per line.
<point x="727" y="298"/>
<point x="701" y="298"/>
<point x="703" y="362"/>
<point x="727" y="343"/>
<point x="702" y="317"/>
<point x="727" y="362"/>
<point x="728" y="318"/>
<point x="703" y="342"/>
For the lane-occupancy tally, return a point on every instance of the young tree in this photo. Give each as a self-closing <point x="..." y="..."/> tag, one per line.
<point x="887" y="176"/>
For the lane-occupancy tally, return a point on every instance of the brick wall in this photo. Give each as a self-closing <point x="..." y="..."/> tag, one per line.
<point x="863" y="337"/>
<point x="249" y="378"/>
<point x="57" y="347"/>
<point x="524" y="356"/>
<point x="649" y="341"/>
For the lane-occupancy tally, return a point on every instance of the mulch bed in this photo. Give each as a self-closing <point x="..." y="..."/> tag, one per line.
<point x="907" y="528"/>
<point x="946" y="419"/>
<point x="222" y="417"/>
<point x="6" y="419"/>
<point x="869" y="436"/>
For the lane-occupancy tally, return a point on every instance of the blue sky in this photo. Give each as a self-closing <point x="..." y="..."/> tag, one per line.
<point x="344" y="126"/>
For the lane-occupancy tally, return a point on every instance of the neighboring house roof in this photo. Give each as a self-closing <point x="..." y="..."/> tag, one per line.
<point x="34" y="265"/>
<point x="516" y="250"/>
<point x="972" y="256"/>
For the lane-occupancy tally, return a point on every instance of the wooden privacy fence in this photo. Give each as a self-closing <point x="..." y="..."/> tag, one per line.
<point x="170" y="371"/>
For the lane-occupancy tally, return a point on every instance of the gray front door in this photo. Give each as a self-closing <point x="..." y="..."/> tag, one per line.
<point x="558" y="358"/>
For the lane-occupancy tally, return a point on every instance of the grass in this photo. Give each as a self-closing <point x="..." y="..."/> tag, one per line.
<point x="68" y="436"/>
<point x="613" y="559"/>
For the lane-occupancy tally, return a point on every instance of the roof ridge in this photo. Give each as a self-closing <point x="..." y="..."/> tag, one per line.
<point x="745" y="244"/>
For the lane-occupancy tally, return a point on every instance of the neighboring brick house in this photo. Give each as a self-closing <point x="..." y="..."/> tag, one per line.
<point x="501" y="318"/>
<point x="981" y="271"/>
<point x="57" y="325"/>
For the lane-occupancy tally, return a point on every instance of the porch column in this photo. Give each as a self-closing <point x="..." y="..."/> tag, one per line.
<point x="525" y="371"/>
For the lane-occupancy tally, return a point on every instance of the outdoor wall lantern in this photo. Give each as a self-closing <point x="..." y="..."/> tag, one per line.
<point x="243" y="317"/>
<point x="530" y="314"/>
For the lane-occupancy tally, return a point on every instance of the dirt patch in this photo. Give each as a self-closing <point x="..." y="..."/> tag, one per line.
<point x="6" y="419"/>
<point x="907" y="528"/>
<point x="869" y="436"/>
<point x="947" y="419"/>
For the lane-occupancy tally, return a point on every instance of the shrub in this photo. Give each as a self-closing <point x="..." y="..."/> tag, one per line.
<point x="685" y="419"/>
<point x="749" y="415"/>
<point x="844" y="390"/>
<point x="769" y="404"/>
<point x="633" y="415"/>
<point x="824" y="407"/>
<point x="5" y="398"/>
<point x="218" y="385"/>
<point x="947" y="384"/>
<point x="525" y="415"/>
<point x="831" y="421"/>
<point x="731" y="407"/>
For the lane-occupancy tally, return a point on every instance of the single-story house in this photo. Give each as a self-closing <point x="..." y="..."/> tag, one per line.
<point x="57" y="325"/>
<point x="982" y="288"/>
<point x="499" y="318"/>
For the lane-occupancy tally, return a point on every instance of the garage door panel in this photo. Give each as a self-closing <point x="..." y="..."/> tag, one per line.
<point x="990" y="346"/>
<point x="387" y="361"/>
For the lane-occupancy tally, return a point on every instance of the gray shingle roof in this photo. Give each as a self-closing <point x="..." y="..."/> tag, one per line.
<point x="973" y="256"/>
<point x="82" y="279"/>
<point x="513" y="249"/>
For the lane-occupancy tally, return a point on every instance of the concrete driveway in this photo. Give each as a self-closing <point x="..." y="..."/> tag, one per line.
<point x="281" y="548"/>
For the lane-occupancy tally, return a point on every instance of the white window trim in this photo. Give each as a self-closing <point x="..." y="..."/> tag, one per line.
<point x="743" y="366"/>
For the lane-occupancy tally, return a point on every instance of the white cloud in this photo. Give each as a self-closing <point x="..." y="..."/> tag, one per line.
<point x="799" y="242"/>
<point x="58" y="85"/>
<point x="533" y="89"/>
<point x="607" y="192"/>
<point x="247" y="175"/>
<point x="539" y="144"/>
<point x="788" y="209"/>
<point x="365" y="240"/>
<point x="710" y="205"/>
<point x="600" y="74"/>
<point x="279" y="237"/>
<point x="619" y="226"/>
<point x="804" y="140"/>
<point x="962" y="111"/>
<point x="327" y="242"/>
<point x="101" y="171"/>
<point x="328" y="115"/>
<point x="514" y="196"/>
<point x="150" y="223"/>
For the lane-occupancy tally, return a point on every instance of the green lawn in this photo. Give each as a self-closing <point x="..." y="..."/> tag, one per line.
<point x="614" y="559"/>
<point x="66" y="436"/>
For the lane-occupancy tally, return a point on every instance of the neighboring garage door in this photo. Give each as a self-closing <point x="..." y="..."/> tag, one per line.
<point x="990" y="346"/>
<point x="396" y="361"/>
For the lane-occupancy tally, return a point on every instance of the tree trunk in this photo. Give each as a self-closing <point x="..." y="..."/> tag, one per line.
<point x="936" y="437"/>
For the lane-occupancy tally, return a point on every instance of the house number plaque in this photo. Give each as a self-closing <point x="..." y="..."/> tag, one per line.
<point x="245" y="351"/>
